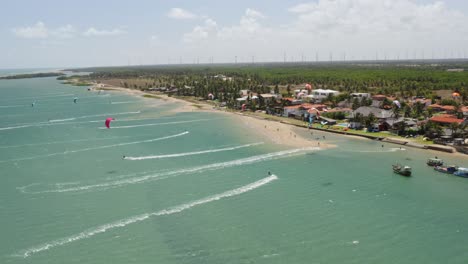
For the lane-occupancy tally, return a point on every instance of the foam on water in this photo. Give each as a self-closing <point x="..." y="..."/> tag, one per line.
<point x="11" y="106"/>
<point x="192" y="153"/>
<point x="382" y="150"/>
<point x="160" y="124"/>
<point x="67" y="141"/>
<point x="95" y="148"/>
<point x="64" y="121"/>
<point x="125" y="102"/>
<point x="174" y="173"/>
<point x="138" y="218"/>
<point x="38" y="97"/>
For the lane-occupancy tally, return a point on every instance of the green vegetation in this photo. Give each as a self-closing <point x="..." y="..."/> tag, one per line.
<point x="32" y="75"/>
<point x="404" y="79"/>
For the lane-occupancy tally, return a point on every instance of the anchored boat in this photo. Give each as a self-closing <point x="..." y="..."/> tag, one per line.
<point x="461" y="172"/>
<point x="446" y="169"/>
<point x="402" y="170"/>
<point x="435" y="162"/>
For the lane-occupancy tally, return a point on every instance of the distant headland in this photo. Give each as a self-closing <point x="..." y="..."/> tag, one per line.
<point x="32" y="75"/>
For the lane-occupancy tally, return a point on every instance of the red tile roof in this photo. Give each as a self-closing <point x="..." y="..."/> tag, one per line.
<point x="379" y="97"/>
<point x="446" y="119"/>
<point x="435" y="106"/>
<point x="448" y="107"/>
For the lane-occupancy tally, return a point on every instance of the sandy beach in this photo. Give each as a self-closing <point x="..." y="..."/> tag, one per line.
<point x="275" y="132"/>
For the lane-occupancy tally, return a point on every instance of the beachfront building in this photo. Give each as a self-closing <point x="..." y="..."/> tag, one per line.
<point x="300" y="111"/>
<point x="356" y="117"/>
<point x="399" y="125"/>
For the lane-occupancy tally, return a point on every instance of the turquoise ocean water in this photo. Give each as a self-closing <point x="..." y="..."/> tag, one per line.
<point x="194" y="188"/>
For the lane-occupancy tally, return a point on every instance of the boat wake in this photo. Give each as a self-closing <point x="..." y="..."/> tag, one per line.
<point x="96" y="148"/>
<point x="174" y="173"/>
<point x="379" y="151"/>
<point x="38" y="97"/>
<point x="160" y="124"/>
<point x="54" y="122"/>
<point x="142" y="217"/>
<point x="68" y="141"/>
<point x="124" y="102"/>
<point x="192" y="153"/>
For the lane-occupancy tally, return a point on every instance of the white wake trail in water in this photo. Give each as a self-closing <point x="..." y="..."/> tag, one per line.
<point x="159" y="124"/>
<point x="174" y="173"/>
<point x="38" y="97"/>
<point x="138" y="218"/>
<point x="68" y="141"/>
<point x="108" y="114"/>
<point x="124" y="102"/>
<point x="62" y="120"/>
<point x="192" y="153"/>
<point x="95" y="148"/>
<point x="379" y="151"/>
<point x="55" y="122"/>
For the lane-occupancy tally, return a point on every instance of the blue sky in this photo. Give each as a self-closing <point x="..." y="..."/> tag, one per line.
<point x="99" y="33"/>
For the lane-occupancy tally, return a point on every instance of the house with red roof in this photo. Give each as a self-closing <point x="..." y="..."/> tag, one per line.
<point x="446" y="119"/>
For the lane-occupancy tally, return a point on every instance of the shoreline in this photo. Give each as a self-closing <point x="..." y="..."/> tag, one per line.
<point x="276" y="132"/>
<point x="280" y="132"/>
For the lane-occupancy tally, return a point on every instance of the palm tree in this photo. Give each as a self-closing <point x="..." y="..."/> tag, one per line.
<point x="454" y="127"/>
<point x="396" y="111"/>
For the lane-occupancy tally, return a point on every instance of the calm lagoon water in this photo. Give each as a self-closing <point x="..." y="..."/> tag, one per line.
<point x="194" y="188"/>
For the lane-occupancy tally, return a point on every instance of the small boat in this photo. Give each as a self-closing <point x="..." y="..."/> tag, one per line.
<point x="435" y="162"/>
<point x="402" y="170"/>
<point x="446" y="169"/>
<point x="461" y="172"/>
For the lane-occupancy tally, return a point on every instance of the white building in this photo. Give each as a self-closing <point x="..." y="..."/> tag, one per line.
<point x="320" y="94"/>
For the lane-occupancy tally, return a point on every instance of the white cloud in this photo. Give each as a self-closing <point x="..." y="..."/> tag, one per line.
<point x="201" y="32"/>
<point x="179" y="13"/>
<point x="375" y="17"/>
<point x="67" y="31"/>
<point x="39" y="30"/>
<point x="359" y="28"/>
<point x="93" y="32"/>
<point x="249" y="26"/>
